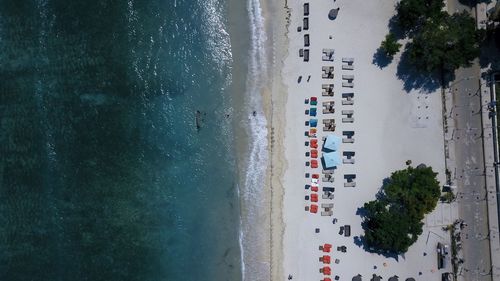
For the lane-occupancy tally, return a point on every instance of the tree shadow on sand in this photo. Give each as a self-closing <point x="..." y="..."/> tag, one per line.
<point x="414" y="79"/>
<point x="381" y="59"/>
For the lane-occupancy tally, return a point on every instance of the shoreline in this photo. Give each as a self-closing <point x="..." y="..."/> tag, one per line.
<point x="278" y="98"/>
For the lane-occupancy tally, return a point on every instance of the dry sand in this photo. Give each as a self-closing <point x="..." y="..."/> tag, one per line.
<point x="391" y="126"/>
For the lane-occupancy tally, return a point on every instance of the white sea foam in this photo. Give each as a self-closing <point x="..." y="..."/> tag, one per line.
<point x="254" y="233"/>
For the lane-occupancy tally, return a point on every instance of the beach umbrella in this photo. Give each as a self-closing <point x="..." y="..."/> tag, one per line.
<point x="327" y="270"/>
<point x="332" y="142"/>
<point x="333" y="13"/>
<point x="326" y="259"/>
<point x="314" y="197"/>
<point x="313" y="209"/>
<point x="331" y="160"/>
<point x="376" y="278"/>
<point x="357" y="278"/>
<point x="410" y="279"/>
<point x="394" y="278"/>
<point x="313" y="122"/>
<point x="314" y="163"/>
<point x="327" y="279"/>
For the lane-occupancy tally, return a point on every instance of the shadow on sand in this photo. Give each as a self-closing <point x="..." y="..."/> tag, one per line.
<point x="411" y="77"/>
<point x="414" y="79"/>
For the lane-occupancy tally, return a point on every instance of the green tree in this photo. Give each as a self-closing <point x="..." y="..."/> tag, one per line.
<point x="393" y="222"/>
<point x="390" y="45"/>
<point x="411" y="14"/>
<point x="445" y="44"/>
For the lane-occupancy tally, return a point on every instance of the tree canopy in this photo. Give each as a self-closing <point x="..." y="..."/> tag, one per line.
<point x="411" y="14"/>
<point x="390" y="45"/>
<point x="438" y="41"/>
<point x="445" y="44"/>
<point x="393" y="222"/>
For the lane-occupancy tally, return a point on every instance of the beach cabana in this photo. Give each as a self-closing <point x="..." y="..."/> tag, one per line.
<point x="332" y="142"/>
<point x="331" y="160"/>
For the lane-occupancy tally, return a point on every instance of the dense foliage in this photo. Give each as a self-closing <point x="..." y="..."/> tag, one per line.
<point x="437" y="41"/>
<point x="445" y="44"/>
<point x="390" y="45"/>
<point x="411" y="14"/>
<point x="393" y="222"/>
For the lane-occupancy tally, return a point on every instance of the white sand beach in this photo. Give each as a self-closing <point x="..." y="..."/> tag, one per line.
<point x="390" y="127"/>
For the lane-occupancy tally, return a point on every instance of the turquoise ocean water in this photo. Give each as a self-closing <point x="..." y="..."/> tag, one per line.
<point x="104" y="174"/>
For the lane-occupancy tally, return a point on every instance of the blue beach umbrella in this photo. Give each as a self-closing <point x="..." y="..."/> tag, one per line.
<point x="331" y="159"/>
<point x="332" y="142"/>
<point x="313" y="122"/>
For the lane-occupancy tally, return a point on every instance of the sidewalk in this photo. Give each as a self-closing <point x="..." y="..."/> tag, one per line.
<point x="490" y="149"/>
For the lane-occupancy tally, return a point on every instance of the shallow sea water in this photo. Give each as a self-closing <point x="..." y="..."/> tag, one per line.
<point x="103" y="172"/>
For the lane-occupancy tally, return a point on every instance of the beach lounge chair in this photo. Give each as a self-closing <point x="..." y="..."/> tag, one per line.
<point x="306" y="40"/>
<point x="327" y="205"/>
<point x="305" y="23"/>
<point x="347" y="84"/>
<point x="347" y="140"/>
<point x="350" y="184"/>
<point x="330" y="128"/>
<point x="306" y="9"/>
<point x="328" y="195"/>
<point x="348" y="102"/>
<point x="329" y="213"/>
<point x="301" y="52"/>
<point x="347" y="112"/>
<point x="306" y="55"/>
<point x="348" y="60"/>
<point x="348" y="160"/>
<point x="327" y="178"/>
<point x="348" y="120"/>
<point x="347" y="67"/>
<point x="328" y="93"/>
<point x="347" y="98"/>
<point x="347" y="230"/>
<point x="348" y="77"/>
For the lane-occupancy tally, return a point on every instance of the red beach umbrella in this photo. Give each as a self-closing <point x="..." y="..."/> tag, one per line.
<point x="327" y="279"/>
<point x="313" y="209"/>
<point x="327" y="270"/>
<point x="314" y="188"/>
<point x="314" y="197"/>
<point x="326" y="259"/>
<point x="314" y="163"/>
